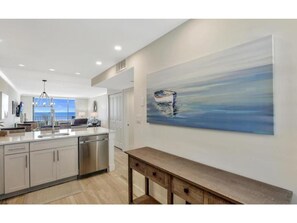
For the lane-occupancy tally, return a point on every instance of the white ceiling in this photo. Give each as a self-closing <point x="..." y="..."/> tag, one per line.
<point x="71" y="46"/>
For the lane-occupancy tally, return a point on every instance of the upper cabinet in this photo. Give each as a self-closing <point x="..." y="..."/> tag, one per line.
<point x="4" y="104"/>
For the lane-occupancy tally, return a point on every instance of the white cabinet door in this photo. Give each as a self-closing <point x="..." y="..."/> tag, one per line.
<point x="16" y="172"/>
<point x="67" y="162"/>
<point x="43" y="166"/>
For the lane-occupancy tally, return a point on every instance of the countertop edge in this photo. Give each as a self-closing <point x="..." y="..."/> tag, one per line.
<point x="83" y="133"/>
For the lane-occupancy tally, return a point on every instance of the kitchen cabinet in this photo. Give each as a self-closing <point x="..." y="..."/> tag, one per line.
<point x="48" y="165"/>
<point x="16" y="167"/>
<point x="43" y="166"/>
<point x="67" y="162"/>
<point x="30" y="163"/>
<point x="16" y="172"/>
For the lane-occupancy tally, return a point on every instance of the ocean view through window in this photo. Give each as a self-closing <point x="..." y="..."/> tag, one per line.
<point x="64" y="111"/>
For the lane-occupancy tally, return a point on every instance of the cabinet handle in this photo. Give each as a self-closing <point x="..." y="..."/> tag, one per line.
<point x="26" y="161"/>
<point x="58" y="155"/>
<point x="186" y="190"/>
<point x="54" y="156"/>
<point x="19" y="148"/>
<point x="154" y="173"/>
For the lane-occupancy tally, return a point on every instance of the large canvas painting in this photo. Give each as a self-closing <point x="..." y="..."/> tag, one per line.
<point x="229" y="90"/>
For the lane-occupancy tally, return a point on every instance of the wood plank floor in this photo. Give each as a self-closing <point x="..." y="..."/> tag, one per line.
<point x="106" y="188"/>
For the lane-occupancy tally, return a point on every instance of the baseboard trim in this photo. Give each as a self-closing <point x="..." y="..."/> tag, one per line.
<point x="111" y="168"/>
<point x="35" y="188"/>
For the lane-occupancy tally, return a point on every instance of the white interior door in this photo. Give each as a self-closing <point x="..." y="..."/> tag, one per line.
<point x="129" y="118"/>
<point x="116" y="118"/>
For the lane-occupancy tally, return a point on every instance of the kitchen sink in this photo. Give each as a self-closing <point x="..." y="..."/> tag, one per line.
<point x="45" y="135"/>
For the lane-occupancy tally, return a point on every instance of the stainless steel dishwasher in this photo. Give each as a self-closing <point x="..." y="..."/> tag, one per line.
<point x="1" y="170"/>
<point x="93" y="154"/>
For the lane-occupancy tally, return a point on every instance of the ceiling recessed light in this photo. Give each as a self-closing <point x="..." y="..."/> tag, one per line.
<point x="98" y="62"/>
<point x="117" y="47"/>
<point x="77" y="73"/>
<point x="51" y="69"/>
<point x="21" y="65"/>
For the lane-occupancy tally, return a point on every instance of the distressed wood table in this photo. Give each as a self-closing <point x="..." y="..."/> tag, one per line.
<point x="197" y="183"/>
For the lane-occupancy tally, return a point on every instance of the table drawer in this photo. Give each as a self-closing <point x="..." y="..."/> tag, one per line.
<point x="187" y="192"/>
<point x="137" y="165"/>
<point x="157" y="176"/>
<point x="16" y="148"/>
<point x="213" y="199"/>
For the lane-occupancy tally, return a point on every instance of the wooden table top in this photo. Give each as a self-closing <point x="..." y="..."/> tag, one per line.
<point x="232" y="187"/>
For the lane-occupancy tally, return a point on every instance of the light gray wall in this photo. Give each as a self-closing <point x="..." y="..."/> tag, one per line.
<point x="81" y="105"/>
<point x="28" y="108"/>
<point x="270" y="159"/>
<point x="13" y="96"/>
<point x="102" y="109"/>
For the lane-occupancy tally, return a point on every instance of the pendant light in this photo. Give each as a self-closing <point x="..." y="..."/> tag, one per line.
<point x="44" y="100"/>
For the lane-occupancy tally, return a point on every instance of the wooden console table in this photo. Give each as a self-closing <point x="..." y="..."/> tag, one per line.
<point x="197" y="183"/>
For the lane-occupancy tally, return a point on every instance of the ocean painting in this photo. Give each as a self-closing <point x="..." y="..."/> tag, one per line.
<point x="229" y="90"/>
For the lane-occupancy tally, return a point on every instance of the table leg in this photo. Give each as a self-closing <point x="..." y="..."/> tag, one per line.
<point x="130" y="183"/>
<point x="147" y="186"/>
<point x="169" y="192"/>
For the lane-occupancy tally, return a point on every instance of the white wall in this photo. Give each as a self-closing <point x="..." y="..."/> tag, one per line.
<point x="102" y="109"/>
<point x="81" y="105"/>
<point x="28" y="108"/>
<point x="271" y="159"/>
<point x="13" y="96"/>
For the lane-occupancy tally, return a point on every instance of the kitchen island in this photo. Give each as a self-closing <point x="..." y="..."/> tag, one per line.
<point x="35" y="160"/>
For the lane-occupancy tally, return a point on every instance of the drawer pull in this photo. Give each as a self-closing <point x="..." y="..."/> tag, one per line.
<point x="15" y="149"/>
<point x="186" y="190"/>
<point x="136" y="164"/>
<point x="154" y="173"/>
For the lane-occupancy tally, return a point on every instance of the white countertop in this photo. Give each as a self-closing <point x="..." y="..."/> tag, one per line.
<point x="33" y="136"/>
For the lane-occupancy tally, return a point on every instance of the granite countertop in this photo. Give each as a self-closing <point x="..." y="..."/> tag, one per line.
<point x="33" y="136"/>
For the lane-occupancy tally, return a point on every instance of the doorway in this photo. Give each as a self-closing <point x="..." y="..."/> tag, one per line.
<point x="116" y="118"/>
<point x="128" y="118"/>
<point x="121" y="108"/>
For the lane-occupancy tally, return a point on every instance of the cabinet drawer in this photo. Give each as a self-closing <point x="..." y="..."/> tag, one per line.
<point x="157" y="176"/>
<point x="187" y="192"/>
<point x="54" y="143"/>
<point x="213" y="199"/>
<point x="137" y="165"/>
<point x="16" y="148"/>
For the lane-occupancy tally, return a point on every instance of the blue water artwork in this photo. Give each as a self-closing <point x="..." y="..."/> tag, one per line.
<point x="229" y="90"/>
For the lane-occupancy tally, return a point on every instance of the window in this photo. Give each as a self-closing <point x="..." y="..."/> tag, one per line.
<point x="64" y="111"/>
